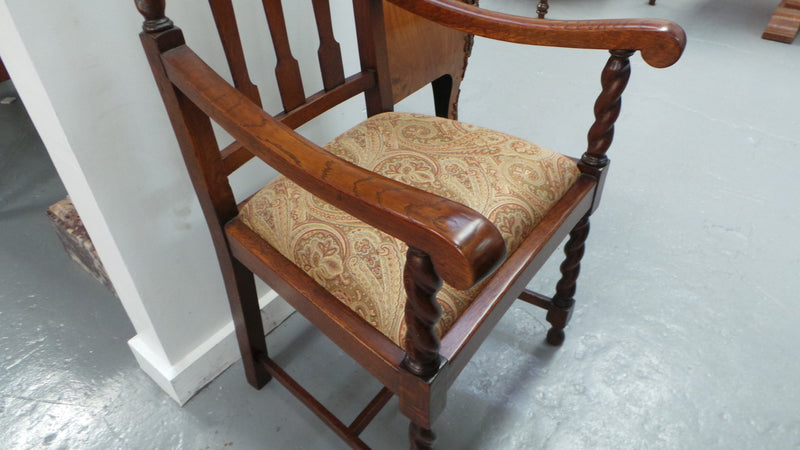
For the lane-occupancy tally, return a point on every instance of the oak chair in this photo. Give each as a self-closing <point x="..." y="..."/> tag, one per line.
<point x="405" y="239"/>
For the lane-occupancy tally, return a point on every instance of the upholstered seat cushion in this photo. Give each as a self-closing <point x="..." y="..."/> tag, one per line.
<point x="510" y="181"/>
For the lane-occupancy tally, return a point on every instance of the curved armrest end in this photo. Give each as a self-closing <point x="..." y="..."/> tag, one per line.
<point x="667" y="48"/>
<point x="464" y="246"/>
<point x="471" y="248"/>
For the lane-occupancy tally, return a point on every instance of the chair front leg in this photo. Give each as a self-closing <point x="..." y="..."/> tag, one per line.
<point x="423" y="312"/>
<point x="564" y="300"/>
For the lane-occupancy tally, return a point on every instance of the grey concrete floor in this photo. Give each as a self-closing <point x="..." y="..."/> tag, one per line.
<point x="685" y="333"/>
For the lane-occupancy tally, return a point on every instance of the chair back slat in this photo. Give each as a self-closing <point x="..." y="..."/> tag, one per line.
<point x="329" y="53"/>
<point x="287" y="70"/>
<point x="232" y="45"/>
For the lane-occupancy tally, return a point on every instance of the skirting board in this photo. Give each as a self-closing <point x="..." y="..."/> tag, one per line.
<point x="186" y="377"/>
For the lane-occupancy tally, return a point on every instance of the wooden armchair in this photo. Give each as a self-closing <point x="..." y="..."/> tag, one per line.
<point x="405" y="239"/>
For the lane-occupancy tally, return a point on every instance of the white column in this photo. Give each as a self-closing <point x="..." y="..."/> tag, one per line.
<point x="80" y="70"/>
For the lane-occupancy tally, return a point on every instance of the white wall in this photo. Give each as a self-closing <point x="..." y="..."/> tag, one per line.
<point x="79" y="68"/>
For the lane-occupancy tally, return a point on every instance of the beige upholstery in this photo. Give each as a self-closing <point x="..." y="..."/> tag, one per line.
<point x="510" y="181"/>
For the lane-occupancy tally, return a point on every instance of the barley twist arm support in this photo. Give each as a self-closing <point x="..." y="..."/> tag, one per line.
<point x="606" y="109"/>
<point x="422" y="313"/>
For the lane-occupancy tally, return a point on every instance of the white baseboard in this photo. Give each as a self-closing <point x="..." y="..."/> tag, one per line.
<point x="185" y="378"/>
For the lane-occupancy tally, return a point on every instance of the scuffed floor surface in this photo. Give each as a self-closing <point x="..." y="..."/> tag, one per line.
<point x="685" y="334"/>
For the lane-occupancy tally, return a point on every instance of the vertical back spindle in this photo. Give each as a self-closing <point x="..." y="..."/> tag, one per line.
<point x="232" y="45"/>
<point x="287" y="70"/>
<point x="329" y="53"/>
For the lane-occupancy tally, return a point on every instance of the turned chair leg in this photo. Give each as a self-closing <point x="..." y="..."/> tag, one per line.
<point x="420" y="438"/>
<point x="565" y="289"/>
<point x="421" y="342"/>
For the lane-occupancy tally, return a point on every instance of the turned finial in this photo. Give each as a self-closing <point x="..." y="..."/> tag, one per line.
<point x="153" y="12"/>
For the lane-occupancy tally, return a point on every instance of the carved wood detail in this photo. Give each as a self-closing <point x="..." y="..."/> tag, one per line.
<point x="606" y="109"/>
<point x="571" y="267"/>
<point x="422" y="313"/>
<point x="564" y="299"/>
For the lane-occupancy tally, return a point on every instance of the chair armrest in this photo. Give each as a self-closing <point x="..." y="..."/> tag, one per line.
<point x="465" y="246"/>
<point x="660" y="41"/>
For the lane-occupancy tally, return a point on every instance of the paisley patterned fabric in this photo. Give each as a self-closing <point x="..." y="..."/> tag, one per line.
<point x="510" y="181"/>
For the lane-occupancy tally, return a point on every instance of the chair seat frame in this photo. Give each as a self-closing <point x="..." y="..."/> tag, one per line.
<point x="421" y="372"/>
